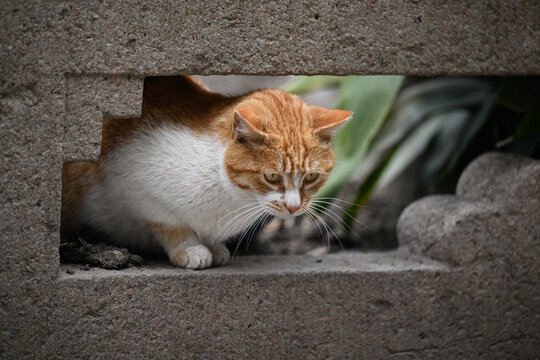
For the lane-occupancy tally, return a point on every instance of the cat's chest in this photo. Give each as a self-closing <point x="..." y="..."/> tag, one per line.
<point x="183" y="176"/>
<point x="220" y="214"/>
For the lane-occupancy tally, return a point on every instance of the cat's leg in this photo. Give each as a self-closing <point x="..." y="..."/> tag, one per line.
<point x="182" y="246"/>
<point x="220" y="254"/>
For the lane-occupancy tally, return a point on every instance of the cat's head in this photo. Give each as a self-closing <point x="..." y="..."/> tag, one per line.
<point x="280" y="149"/>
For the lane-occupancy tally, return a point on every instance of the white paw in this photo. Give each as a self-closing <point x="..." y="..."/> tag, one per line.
<point x="193" y="257"/>
<point x="198" y="257"/>
<point x="220" y="255"/>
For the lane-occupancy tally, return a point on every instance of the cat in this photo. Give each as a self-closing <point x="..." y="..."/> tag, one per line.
<point x="199" y="167"/>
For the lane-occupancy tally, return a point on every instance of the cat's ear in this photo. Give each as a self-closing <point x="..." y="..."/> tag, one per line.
<point x="327" y="123"/>
<point x="246" y="127"/>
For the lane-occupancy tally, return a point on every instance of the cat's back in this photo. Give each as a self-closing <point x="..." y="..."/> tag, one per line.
<point x="182" y="100"/>
<point x="168" y="101"/>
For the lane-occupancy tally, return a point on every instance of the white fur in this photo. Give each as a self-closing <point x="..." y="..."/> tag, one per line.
<point x="292" y="195"/>
<point x="280" y="202"/>
<point x="292" y="198"/>
<point x="170" y="176"/>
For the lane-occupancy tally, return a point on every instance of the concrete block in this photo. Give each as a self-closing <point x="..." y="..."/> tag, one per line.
<point x="64" y="66"/>
<point x="494" y="215"/>
<point x="278" y="37"/>
<point x="90" y="99"/>
<point x="509" y="181"/>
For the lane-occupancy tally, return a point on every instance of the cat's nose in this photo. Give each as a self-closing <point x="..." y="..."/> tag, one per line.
<point x="292" y="208"/>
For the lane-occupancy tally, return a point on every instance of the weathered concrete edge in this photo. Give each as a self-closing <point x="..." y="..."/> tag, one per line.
<point x="287" y="265"/>
<point x="432" y="313"/>
<point x="413" y="37"/>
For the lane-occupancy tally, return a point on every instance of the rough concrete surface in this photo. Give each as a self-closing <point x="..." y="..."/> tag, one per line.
<point x="57" y="66"/>
<point x="90" y="99"/>
<point x="490" y="228"/>
<point x="277" y="37"/>
<point x="495" y="216"/>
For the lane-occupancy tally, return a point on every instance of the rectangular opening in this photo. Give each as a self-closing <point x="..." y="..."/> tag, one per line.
<point x="385" y="157"/>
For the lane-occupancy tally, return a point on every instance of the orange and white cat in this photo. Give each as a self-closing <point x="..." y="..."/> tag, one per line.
<point x="198" y="167"/>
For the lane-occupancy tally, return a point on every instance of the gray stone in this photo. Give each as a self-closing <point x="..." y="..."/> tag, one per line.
<point x="64" y="66"/>
<point x="228" y="37"/>
<point x="509" y="181"/>
<point x="90" y="99"/>
<point x="494" y="215"/>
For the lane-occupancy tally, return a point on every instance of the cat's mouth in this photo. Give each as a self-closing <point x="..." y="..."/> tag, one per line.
<point x="287" y="216"/>
<point x="284" y="213"/>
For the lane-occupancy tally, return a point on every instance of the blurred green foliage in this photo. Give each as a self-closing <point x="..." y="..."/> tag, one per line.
<point x="396" y="120"/>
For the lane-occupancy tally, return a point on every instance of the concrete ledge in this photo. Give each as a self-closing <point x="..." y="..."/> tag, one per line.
<point x="276" y="37"/>
<point x="376" y="306"/>
<point x="352" y="262"/>
<point x="90" y="99"/>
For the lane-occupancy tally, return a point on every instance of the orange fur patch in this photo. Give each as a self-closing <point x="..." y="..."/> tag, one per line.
<point x="292" y="143"/>
<point x="179" y="258"/>
<point x="169" y="236"/>
<point x="295" y="140"/>
<point x="77" y="179"/>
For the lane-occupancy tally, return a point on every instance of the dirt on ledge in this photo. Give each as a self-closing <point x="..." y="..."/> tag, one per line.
<point x="98" y="255"/>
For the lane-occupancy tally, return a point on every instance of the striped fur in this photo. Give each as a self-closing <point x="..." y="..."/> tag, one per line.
<point x="190" y="172"/>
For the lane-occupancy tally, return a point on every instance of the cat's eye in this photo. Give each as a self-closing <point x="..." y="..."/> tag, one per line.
<point x="272" y="177"/>
<point x="311" y="177"/>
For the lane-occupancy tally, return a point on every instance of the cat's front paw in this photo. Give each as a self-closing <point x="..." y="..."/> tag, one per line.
<point x="193" y="257"/>
<point x="220" y="255"/>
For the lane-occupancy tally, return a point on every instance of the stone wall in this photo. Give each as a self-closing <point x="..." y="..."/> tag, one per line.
<point x="64" y="66"/>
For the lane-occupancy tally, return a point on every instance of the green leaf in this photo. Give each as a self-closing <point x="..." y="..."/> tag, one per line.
<point x="370" y="99"/>
<point x="410" y="124"/>
<point x="425" y="99"/>
<point x="478" y="120"/>
<point x="415" y="144"/>
<point x="445" y="143"/>
<point x="367" y="188"/>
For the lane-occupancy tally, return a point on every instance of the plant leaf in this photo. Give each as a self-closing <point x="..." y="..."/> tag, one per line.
<point x="415" y="144"/>
<point x="370" y="99"/>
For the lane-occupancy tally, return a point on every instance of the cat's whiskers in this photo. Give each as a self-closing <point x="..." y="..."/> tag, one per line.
<point x="231" y="225"/>
<point x="253" y="202"/>
<point x="252" y="227"/>
<point x="240" y="221"/>
<point x="263" y="218"/>
<point x="321" y="226"/>
<point x="338" y="199"/>
<point x="246" y="230"/>
<point x="335" y="217"/>
<point x="342" y="208"/>
<point x="317" y="228"/>
<point x="330" y="229"/>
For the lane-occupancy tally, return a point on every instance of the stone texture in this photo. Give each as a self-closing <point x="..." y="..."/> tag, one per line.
<point x="90" y="99"/>
<point x="100" y="255"/>
<point x="61" y="65"/>
<point x="495" y="215"/>
<point x="490" y="229"/>
<point x="510" y="181"/>
<point x="278" y="37"/>
<point x="377" y="306"/>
